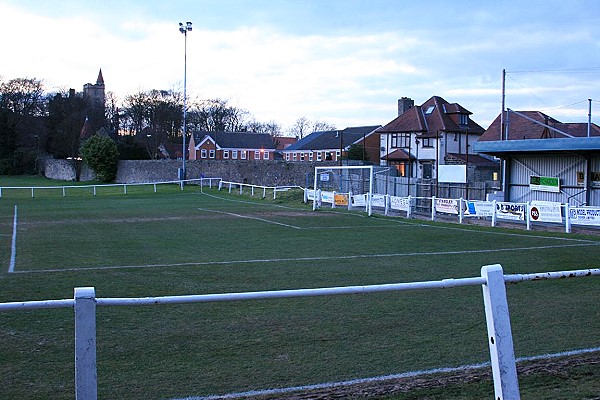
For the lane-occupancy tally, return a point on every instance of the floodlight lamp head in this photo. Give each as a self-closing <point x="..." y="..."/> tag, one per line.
<point x="188" y="26"/>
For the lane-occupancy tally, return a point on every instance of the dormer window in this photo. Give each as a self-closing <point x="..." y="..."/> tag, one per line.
<point x="463" y="119"/>
<point x="429" y="110"/>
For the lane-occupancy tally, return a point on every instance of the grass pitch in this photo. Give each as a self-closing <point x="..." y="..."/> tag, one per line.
<point x="190" y="242"/>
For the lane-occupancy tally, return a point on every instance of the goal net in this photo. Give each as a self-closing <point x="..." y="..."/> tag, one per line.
<point x="349" y="186"/>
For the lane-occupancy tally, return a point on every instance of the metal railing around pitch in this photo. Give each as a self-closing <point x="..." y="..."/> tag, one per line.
<point x="492" y="280"/>
<point x="124" y="187"/>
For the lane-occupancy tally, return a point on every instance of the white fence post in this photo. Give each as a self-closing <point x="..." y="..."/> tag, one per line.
<point x="433" y="208"/>
<point x="528" y="216"/>
<point x="461" y="211"/>
<point x="409" y="211"/>
<point x="567" y="219"/>
<point x="86" y="378"/>
<point x="502" y="354"/>
<point x="494" y="213"/>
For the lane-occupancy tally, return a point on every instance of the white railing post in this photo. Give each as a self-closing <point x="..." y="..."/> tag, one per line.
<point x="502" y="354"/>
<point x="567" y="219"/>
<point x="409" y="211"/>
<point x="386" y="200"/>
<point x="528" y="216"/>
<point x="86" y="378"/>
<point x="494" y="213"/>
<point x="461" y="211"/>
<point x="433" y="208"/>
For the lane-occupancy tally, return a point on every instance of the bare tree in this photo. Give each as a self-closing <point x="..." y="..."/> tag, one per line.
<point x="304" y="126"/>
<point x="216" y="115"/>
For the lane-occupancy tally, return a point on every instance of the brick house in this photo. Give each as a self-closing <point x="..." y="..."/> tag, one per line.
<point x="231" y="146"/>
<point x="333" y="145"/>
<point x="421" y="138"/>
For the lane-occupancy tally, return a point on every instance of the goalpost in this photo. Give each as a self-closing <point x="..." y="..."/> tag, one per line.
<point x="343" y="185"/>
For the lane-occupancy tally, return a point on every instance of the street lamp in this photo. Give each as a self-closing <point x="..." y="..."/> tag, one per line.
<point x="184" y="29"/>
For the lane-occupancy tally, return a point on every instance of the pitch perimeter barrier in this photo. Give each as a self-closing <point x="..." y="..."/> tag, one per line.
<point x="202" y="182"/>
<point x="241" y="186"/>
<point x="492" y="280"/>
<point x="529" y="213"/>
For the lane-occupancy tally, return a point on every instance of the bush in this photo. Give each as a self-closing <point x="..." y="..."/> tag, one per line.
<point x="101" y="154"/>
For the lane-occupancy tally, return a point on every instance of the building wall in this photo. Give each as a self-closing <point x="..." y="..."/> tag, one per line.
<point x="565" y="167"/>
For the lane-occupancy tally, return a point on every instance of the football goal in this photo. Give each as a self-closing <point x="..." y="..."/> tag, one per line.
<point x="350" y="186"/>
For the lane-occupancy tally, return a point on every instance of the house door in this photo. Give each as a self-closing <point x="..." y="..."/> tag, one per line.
<point x="427" y="170"/>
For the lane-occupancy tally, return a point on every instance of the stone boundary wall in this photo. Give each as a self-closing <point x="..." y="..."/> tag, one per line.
<point x="263" y="173"/>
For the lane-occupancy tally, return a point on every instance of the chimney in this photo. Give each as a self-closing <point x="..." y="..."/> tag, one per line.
<point x="405" y="104"/>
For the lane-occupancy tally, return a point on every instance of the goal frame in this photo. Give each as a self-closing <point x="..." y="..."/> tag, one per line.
<point x="368" y="168"/>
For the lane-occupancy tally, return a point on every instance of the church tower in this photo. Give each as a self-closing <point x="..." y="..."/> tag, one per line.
<point x="95" y="93"/>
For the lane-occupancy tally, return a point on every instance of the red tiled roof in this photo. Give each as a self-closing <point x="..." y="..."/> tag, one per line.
<point x="433" y="116"/>
<point x="520" y="128"/>
<point x="399" y="155"/>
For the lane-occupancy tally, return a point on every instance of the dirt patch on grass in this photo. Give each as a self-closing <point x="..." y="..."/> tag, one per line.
<point x="560" y="367"/>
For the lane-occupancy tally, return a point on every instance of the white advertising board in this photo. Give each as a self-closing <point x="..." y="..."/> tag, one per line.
<point x="448" y="206"/>
<point x="399" y="203"/>
<point x="378" y="200"/>
<point x="585" y="216"/>
<point x="452" y="173"/>
<point x="327" y="197"/>
<point x="479" y="209"/>
<point x="512" y="211"/>
<point x="310" y="194"/>
<point x="359" y="200"/>
<point x="545" y="211"/>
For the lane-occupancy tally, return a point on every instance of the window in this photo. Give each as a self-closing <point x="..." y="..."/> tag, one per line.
<point x="203" y="153"/>
<point x="225" y="153"/>
<point x="463" y="119"/>
<point x="266" y="155"/>
<point x="287" y="156"/>
<point x="244" y="154"/>
<point x="311" y="156"/>
<point x="427" y="142"/>
<point x="234" y="154"/>
<point x="400" y="140"/>
<point x="301" y="156"/>
<point x="338" y="155"/>
<point x="319" y="156"/>
<point x="257" y="155"/>
<point x="429" y="110"/>
<point x="295" y="156"/>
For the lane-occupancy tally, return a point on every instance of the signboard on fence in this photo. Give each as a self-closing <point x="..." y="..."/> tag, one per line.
<point x="544" y="183"/>
<point x="359" y="200"/>
<point x="399" y="203"/>
<point x="310" y="194"/>
<point x="585" y="216"/>
<point x="479" y="209"/>
<point x="378" y="200"/>
<point x="448" y="206"/>
<point x="511" y="211"/>
<point x="545" y="211"/>
<point x="452" y="173"/>
<point x="327" y="197"/>
<point x="341" y="199"/>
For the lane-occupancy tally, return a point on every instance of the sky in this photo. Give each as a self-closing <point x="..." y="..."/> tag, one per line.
<point x="345" y="62"/>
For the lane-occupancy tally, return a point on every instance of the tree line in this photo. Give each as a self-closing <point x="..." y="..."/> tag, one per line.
<point x="35" y="123"/>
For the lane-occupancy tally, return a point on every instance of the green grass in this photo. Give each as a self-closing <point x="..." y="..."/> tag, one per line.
<point x="186" y="242"/>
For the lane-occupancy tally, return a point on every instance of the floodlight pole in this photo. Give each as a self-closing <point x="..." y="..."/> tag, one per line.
<point x="184" y="29"/>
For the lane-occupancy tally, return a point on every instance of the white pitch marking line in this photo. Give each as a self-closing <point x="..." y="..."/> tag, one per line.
<point x="383" y="378"/>
<point x="249" y="217"/>
<point x="299" y="259"/>
<point x="13" y="247"/>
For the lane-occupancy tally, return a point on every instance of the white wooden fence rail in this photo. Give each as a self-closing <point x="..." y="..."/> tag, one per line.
<point x="492" y="279"/>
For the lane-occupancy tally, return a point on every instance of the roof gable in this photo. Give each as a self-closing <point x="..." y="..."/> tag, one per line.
<point x="435" y="115"/>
